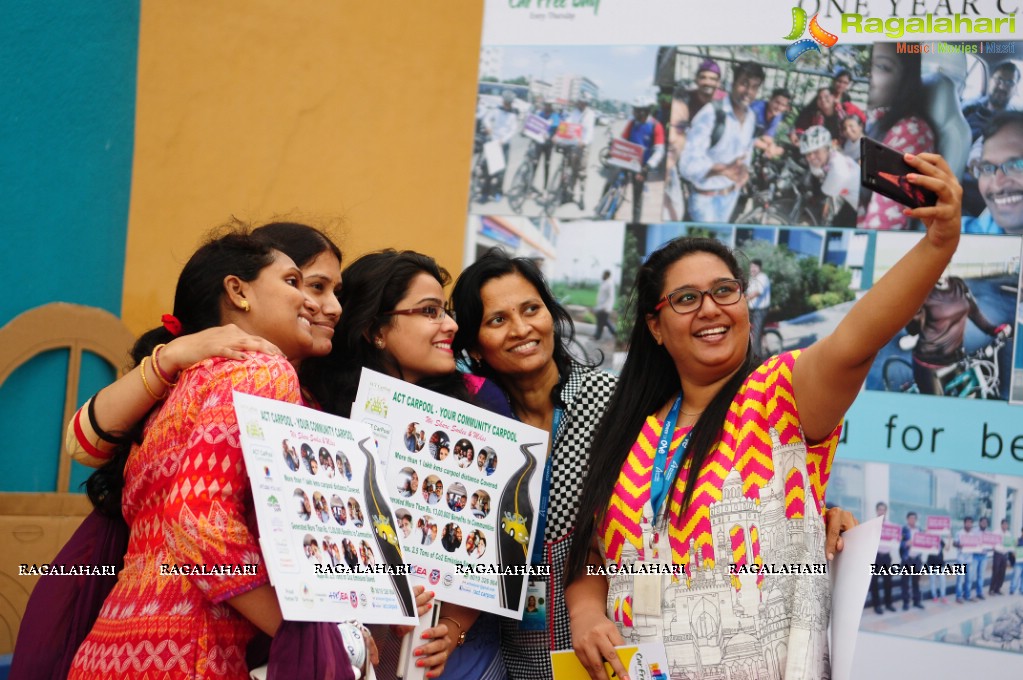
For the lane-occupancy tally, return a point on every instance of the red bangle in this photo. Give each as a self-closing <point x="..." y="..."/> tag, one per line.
<point x="156" y="366"/>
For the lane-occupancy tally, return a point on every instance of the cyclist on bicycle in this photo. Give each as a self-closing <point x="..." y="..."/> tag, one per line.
<point x="941" y="325"/>
<point x="584" y="116"/>
<point x="648" y="132"/>
<point x="553" y="119"/>
<point x="500" y="124"/>
<point x="836" y="175"/>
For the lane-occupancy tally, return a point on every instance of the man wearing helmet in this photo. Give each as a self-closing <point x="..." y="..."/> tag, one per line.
<point x="648" y="132"/>
<point x="837" y="174"/>
<point x="500" y="123"/>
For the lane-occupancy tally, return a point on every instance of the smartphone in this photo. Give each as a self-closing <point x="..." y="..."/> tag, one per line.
<point x="883" y="170"/>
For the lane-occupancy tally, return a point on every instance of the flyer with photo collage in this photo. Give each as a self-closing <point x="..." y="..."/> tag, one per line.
<point x="327" y="533"/>
<point x="465" y="487"/>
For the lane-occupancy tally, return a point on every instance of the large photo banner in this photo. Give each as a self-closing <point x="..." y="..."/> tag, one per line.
<point x="623" y="125"/>
<point x="327" y="532"/>
<point x="465" y="487"/>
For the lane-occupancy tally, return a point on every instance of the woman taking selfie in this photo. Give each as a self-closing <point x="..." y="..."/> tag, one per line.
<point x="708" y="458"/>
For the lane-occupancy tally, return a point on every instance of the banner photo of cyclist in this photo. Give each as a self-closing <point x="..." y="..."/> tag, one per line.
<point x="958" y="344"/>
<point x="569" y="132"/>
<point x="793" y="160"/>
<point x="953" y="569"/>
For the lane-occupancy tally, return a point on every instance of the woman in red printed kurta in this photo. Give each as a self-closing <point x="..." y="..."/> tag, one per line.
<point x="184" y="491"/>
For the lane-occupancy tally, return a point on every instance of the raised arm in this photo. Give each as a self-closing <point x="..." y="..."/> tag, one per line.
<point x="118" y="407"/>
<point x="829" y="374"/>
<point x="594" y="636"/>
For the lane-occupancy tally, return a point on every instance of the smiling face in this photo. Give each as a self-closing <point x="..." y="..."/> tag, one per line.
<point x="278" y="309"/>
<point x="709" y="344"/>
<point x="826" y="102"/>
<point x="321" y="277"/>
<point x="852" y="128"/>
<point x="707" y="83"/>
<point x="1002" y="87"/>
<point x="840" y="84"/>
<point x="778" y="104"/>
<point x="516" y="336"/>
<point x="744" y="90"/>
<point x="1003" y="194"/>
<point x="421" y="347"/>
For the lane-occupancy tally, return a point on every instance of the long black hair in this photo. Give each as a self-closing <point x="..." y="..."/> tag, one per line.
<point x="197" y="305"/>
<point x="370" y="286"/>
<point x="649" y="378"/>
<point x="467" y="301"/>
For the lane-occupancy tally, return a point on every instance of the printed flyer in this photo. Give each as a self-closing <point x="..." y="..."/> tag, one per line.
<point x="648" y="661"/>
<point x="465" y="487"/>
<point x="327" y="532"/>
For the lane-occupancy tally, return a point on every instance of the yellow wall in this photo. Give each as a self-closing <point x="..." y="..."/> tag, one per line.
<point x="354" y="116"/>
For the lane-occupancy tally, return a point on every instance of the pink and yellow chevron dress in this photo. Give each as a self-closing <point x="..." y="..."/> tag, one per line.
<point x="187" y="501"/>
<point x="757" y="508"/>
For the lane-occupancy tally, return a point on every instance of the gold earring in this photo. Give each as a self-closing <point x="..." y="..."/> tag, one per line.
<point x="245" y="305"/>
<point x="379" y="343"/>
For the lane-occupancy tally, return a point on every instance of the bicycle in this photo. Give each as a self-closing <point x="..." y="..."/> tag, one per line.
<point x="566" y="181"/>
<point x="522" y="183"/>
<point x="478" y="176"/>
<point x="974" y="376"/>
<point x="614" y="195"/>
<point x="779" y="193"/>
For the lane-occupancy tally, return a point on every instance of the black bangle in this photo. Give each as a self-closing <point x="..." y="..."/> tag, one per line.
<point x="100" y="432"/>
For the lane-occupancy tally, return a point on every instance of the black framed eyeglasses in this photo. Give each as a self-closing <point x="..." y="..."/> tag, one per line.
<point x="686" y="300"/>
<point x="434" y="313"/>
<point x="1013" y="168"/>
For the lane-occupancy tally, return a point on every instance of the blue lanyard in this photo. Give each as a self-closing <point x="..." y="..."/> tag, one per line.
<point x="662" y="476"/>
<point x="545" y="492"/>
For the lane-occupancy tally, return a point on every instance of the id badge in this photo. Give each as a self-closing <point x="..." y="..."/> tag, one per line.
<point x="646" y="588"/>
<point x="534" y="616"/>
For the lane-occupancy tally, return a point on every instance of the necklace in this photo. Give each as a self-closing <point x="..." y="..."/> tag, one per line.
<point x="691" y="415"/>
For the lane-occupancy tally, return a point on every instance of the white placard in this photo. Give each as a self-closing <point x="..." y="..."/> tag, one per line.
<point x="465" y="486"/>
<point x="326" y="531"/>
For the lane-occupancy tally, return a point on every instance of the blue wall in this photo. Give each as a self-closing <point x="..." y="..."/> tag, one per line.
<point x="67" y="108"/>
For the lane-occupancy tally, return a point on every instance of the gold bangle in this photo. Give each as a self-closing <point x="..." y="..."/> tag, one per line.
<point x="155" y="356"/>
<point x="145" y="383"/>
<point x="460" y="640"/>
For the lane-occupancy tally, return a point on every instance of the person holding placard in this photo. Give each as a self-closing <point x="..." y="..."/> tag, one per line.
<point x="882" y="581"/>
<point x="513" y="330"/>
<point x="319" y="259"/>
<point x="1000" y="559"/>
<point x="968" y="543"/>
<point x="910" y="583"/>
<point x="185" y="496"/>
<point x="724" y="506"/>
<point x="1016" y="583"/>
<point x="396" y="322"/>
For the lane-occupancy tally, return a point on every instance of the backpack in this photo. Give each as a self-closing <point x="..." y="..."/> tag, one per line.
<point x="719" y="123"/>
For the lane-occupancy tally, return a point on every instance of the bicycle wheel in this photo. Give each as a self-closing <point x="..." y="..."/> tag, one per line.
<point x="552" y="199"/>
<point x="987" y="374"/>
<point x="477" y="180"/>
<point x="897" y="374"/>
<point x="520" y="186"/>
<point x="609" y="201"/>
<point x="770" y="343"/>
<point x="762" y="216"/>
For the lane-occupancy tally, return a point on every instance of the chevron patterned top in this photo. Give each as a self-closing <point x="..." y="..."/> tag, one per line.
<point x="756" y="513"/>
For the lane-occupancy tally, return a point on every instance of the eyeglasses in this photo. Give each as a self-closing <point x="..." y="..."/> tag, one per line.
<point x="1003" y="82"/>
<point x="1013" y="168"/>
<point x="434" y="313"/>
<point x="686" y="300"/>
